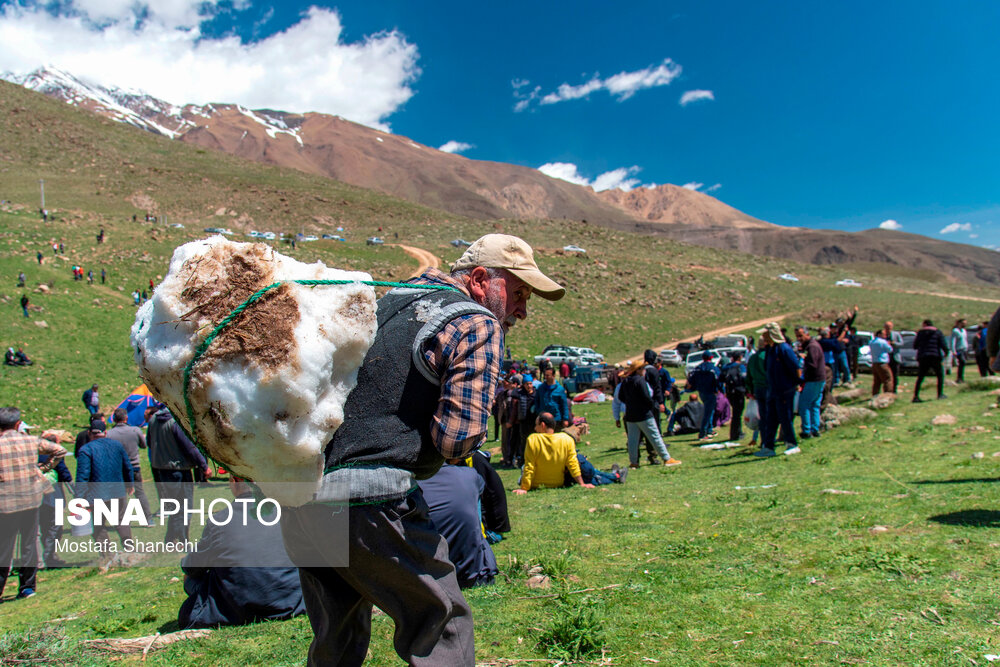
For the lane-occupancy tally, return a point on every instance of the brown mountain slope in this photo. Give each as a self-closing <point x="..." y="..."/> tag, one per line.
<point x="331" y="147"/>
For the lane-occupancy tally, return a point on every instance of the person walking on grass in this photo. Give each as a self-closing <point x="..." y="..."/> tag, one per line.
<point x="783" y="382"/>
<point x="979" y="347"/>
<point x="813" y="381"/>
<point x="22" y="487"/>
<point x="25" y="302"/>
<point x="423" y="396"/>
<point x="92" y="400"/>
<point x="637" y="396"/>
<point x="931" y="349"/>
<point x="881" y="351"/>
<point x="103" y="472"/>
<point x="959" y="348"/>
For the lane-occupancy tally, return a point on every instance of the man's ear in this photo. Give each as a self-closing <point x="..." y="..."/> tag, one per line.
<point x="478" y="283"/>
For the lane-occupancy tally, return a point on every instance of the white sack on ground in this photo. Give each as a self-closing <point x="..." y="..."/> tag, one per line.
<point x="270" y="391"/>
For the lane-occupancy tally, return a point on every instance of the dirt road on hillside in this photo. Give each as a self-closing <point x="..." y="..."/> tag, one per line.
<point x="951" y="296"/>
<point x="715" y="332"/>
<point x="427" y="260"/>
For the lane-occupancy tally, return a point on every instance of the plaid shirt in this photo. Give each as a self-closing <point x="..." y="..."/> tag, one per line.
<point x="22" y="484"/>
<point x="466" y="354"/>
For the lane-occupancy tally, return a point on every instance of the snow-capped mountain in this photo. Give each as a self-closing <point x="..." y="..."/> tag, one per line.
<point x="136" y="107"/>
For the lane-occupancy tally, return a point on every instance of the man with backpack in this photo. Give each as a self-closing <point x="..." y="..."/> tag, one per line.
<point x="734" y="381"/>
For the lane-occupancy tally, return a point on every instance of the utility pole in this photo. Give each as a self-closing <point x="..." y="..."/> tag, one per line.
<point x="41" y="184"/>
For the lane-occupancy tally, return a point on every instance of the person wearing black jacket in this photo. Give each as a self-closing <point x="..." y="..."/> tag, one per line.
<point x="931" y="348"/>
<point x="637" y="395"/>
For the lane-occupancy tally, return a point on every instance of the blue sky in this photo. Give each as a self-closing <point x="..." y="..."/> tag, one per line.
<point x="836" y="115"/>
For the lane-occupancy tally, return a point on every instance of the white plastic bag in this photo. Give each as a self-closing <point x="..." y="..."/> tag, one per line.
<point x="752" y="415"/>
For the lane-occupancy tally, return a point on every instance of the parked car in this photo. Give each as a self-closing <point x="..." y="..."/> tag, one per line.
<point x="720" y="354"/>
<point x="308" y="238"/>
<point x="908" y="355"/>
<point x="374" y="240"/>
<point x="588" y="355"/>
<point x="864" y="351"/>
<point x="558" y="356"/>
<point x="177" y="225"/>
<point x="460" y="243"/>
<point x="333" y="237"/>
<point x="671" y="358"/>
<point x="789" y="277"/>
<point x="729" y="340"/>
<point x="573" y="248"/>
<point x="218" y="230"/>
<point x="848" y="282"/>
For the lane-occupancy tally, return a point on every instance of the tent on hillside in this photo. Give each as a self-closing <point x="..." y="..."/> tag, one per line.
<point x="136" y="403"/>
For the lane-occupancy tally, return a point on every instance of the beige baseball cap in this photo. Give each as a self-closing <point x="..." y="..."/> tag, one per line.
<point x="774" y="331"/>
<point x="502" y="251"/>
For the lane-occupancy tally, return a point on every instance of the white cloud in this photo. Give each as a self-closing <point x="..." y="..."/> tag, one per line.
<point x="713" y="188"/>
<point x="157" y="46"/>
<point x="455" y="147"/>
<point x="622" y="85"/>
<point x="890" y="224"/>
<point x="695" y="95"/>
<point x="609" y="180"/>
<point x="693" y="186"/>
<point x="956" y="227"/>
<point x="973" y="236"/>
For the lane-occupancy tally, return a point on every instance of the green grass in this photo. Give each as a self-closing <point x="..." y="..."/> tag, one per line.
<point x="685" y="567"/>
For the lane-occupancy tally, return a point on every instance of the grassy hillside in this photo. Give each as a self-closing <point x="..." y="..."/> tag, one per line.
<point x="726" y="560"/>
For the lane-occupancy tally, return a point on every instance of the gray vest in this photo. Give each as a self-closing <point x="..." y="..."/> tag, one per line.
<point x="384" y="444"/>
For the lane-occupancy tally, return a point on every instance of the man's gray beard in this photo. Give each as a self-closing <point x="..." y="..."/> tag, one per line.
<point x="494" y="303"/>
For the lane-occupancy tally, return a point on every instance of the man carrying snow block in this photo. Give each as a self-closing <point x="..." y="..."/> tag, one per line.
<point x="423" y="395"/>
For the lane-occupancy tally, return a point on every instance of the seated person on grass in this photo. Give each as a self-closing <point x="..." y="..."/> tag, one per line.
<point x="550" y="459"/>
<point x="687" y="418"/>
<point x="239" y="574"/>
<point x="453" y="496"/>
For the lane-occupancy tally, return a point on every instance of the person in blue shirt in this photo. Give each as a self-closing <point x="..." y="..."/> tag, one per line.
<point x="783" y="382"/>
<point x="704" y="379"/>
<point x="881" y="351"/>
<point x="551" y="397"/>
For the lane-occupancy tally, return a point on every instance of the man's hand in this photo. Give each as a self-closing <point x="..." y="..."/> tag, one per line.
<point x="208" y="472"/>
<point x="618" y="423"/>
<point x="129" y="490"/>
<point x="565" y="423"/>
<point x="587" y="486"/>
<point x="519" y="492"/>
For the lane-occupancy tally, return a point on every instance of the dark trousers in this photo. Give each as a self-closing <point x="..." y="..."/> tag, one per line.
<point x="50" y="531"/>
<point x="983" y="361"/>
<point x="398" y="561"/>
<point x="177" y="485"/>
<point x="780" y="412"/>
<point x="140" y="493"/>
<point x="927" y="366"/>
<point x="124" y="531"/>
<point x="894" y="369"/>
<point x="23" y="524"/>
<point x="960" y="361"/>
<point x="738" y="401"/>
<point x="760" y="393"/>
<point x="708" y="419"/>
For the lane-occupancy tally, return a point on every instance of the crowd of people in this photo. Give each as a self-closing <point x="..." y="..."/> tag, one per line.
<point x="425" y="501"/>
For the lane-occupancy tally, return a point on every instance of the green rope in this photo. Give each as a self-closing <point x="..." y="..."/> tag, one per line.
<point x="256" y="296"/>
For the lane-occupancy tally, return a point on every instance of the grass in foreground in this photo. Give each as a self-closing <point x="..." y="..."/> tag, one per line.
<point x="727" y="559"/>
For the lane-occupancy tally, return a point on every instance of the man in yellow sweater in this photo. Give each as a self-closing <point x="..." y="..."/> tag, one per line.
<point x="549" y="455"/>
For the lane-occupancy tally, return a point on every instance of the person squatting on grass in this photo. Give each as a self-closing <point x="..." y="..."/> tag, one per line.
<point x="423" y="396"/>
<point x="20" y="498"/>
<point x="551" y="460"/>
<point x="637" y="397"/>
